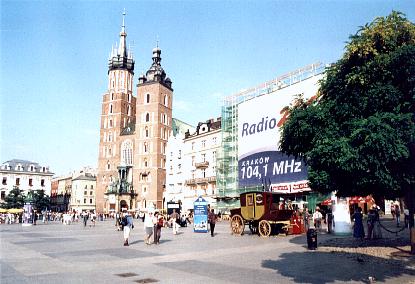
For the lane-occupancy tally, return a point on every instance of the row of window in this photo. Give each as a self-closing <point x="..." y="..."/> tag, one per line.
<point x="17" y="181"/>
<point x="203" y="143"/>
<point x="147" y="100"/>
<point x="20" y="168"/>
<point x="120" y="79"/>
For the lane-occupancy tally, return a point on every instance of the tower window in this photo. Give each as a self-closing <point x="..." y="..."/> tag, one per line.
<point x="42" y="182"/>
<point x="147" y="117"/>
<point x="146" y="131"/>
<point x="110" y="108"/>
<point x="148" y="98"/>
<point x="166" y="100"/>
<point x="30" y="182"/>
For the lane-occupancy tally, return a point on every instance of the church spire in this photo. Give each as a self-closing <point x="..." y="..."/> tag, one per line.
<point x="122" y="50"/>
<point x="121" y="57"/>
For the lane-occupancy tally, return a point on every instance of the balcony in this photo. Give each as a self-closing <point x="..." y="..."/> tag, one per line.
<point x="202" y="165"/>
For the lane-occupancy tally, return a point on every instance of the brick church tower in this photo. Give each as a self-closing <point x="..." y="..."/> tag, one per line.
<point x="154" y="126"/>
<point x="133" y="133"/>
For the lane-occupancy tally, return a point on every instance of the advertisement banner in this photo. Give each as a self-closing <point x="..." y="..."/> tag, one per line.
<point x="260" y="120"/>
<point x="200" y="216"/>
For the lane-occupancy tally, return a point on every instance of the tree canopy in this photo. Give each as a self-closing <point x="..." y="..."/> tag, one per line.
<point x="15" y="199"/>
<point x="355" y="136"/>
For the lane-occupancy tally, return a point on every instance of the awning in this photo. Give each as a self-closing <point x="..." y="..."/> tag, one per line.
<point x="326" y="202"/>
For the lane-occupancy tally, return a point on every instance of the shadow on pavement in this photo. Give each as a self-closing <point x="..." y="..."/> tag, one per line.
<point x="327" y="267"/>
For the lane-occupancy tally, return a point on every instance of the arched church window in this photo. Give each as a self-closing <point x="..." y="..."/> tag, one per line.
<point x="166" y="100"/>
<point x="147" y="117"/>
<point x="148" y="98"/>
<point x="127" y="153"/>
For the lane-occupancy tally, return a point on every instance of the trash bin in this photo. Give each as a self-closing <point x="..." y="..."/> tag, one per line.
<point x="312" y="239"/>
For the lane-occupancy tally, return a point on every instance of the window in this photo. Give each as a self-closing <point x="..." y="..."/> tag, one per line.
<point x="30" y="182"/>
<point x="110" y="123"/>
<point x="84" y="200"/>
<point x="145" y="163"/>
<point x="204" y="157"/>
<point x="91" y="192"/>
<point x="193" y="160"/>
<point x="108" y="166"/>
<point x="214" y="156"/>
<point x="204" y="173"/>
<point x="31" y="168"/>
<point x="148" y="98"/>
<point x="146" y="131"/>
<point x="193" y="145"/>
<point x="86" y="187"/>
<point x="90" y="201"/>
<point x="3" y="195"/>
<point x="17" y="181"/>
<point x="180" y="154"/>
<point x="214" y="140"/>
<point x="166" y="100"/>
<point x="92" y="186"/>
<point x="129" y="98"/>
<point x="127" y="152"/>
<point x="145" y="147"/>
<point x="4" y="180"/>
<point x="85" y="192"/>
<point x="110" y="108"/>
<point x="203" y="143"/>
<point x="147" y="117"/>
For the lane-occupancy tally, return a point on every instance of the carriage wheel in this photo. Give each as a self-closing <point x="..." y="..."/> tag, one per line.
<point x="237" y="225"/>
<point x="264" y="228"/>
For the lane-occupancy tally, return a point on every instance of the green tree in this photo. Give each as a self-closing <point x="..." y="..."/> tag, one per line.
<point x="358" y="136"/>
<point x="40" y="200"/>
<point x="15" y="199"/>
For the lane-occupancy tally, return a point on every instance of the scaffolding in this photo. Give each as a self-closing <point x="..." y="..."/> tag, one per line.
<point x="227" y="161"/>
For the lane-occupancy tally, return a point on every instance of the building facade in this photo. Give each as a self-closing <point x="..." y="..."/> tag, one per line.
<point x="191" y="164"/>
<point x="25" y="175"/>
<point x="133" y="133"/>
<point x="82" y="196"/>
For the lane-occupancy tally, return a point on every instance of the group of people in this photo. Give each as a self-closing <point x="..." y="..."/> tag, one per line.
<point x="154" y="221"/>
<point x="373" y="225"/>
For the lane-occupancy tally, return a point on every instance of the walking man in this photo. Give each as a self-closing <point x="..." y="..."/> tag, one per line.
<point x="128" y="221"/>
<point x="212" y="221"/>
<point x="148" y="227"/>
<point x="174" y="217"/>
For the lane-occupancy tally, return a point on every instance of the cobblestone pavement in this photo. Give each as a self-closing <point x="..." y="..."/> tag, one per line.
<point x="55" y="253"/>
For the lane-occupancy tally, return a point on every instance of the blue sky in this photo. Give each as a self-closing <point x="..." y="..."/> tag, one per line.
<point x="54" y="60"/>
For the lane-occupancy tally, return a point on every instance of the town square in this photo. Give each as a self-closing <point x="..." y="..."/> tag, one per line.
<point x="207" y="141"/>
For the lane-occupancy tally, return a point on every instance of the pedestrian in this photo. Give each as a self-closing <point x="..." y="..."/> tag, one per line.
<point x="358" y="230"/>
<point x="406" y="217"/>
<point x="174" y="217"/>
<point x="85" y="217"/>
<point x="148" y="227"/>
<point x="128" y="226"/>
<point x="212" y="221"/>
<point x="157" y="228"/>
<point x="377" y="232"/>
<point x="393" y="210"/>
<point x="398" y="214"/>
<point x="371" y="219"/>
<point x="93" y="218"/>
<point x="329" y="221"/>
<point x="317" y="216"/>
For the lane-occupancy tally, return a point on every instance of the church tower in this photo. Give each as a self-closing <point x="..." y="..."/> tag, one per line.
<point x="117" y="118"/>
<point x="153" y="128"/>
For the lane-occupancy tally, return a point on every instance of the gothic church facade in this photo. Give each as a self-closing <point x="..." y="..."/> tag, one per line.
<point x="133" y="133"/>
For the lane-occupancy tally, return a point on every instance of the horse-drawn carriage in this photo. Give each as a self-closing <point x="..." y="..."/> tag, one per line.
<point x="260" y="211"/>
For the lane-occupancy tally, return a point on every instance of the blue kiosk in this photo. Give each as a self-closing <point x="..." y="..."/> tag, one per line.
<point x="200" y="217"/>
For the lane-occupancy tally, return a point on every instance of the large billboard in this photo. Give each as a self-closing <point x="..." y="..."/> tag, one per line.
<point x="259" y="122"/>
